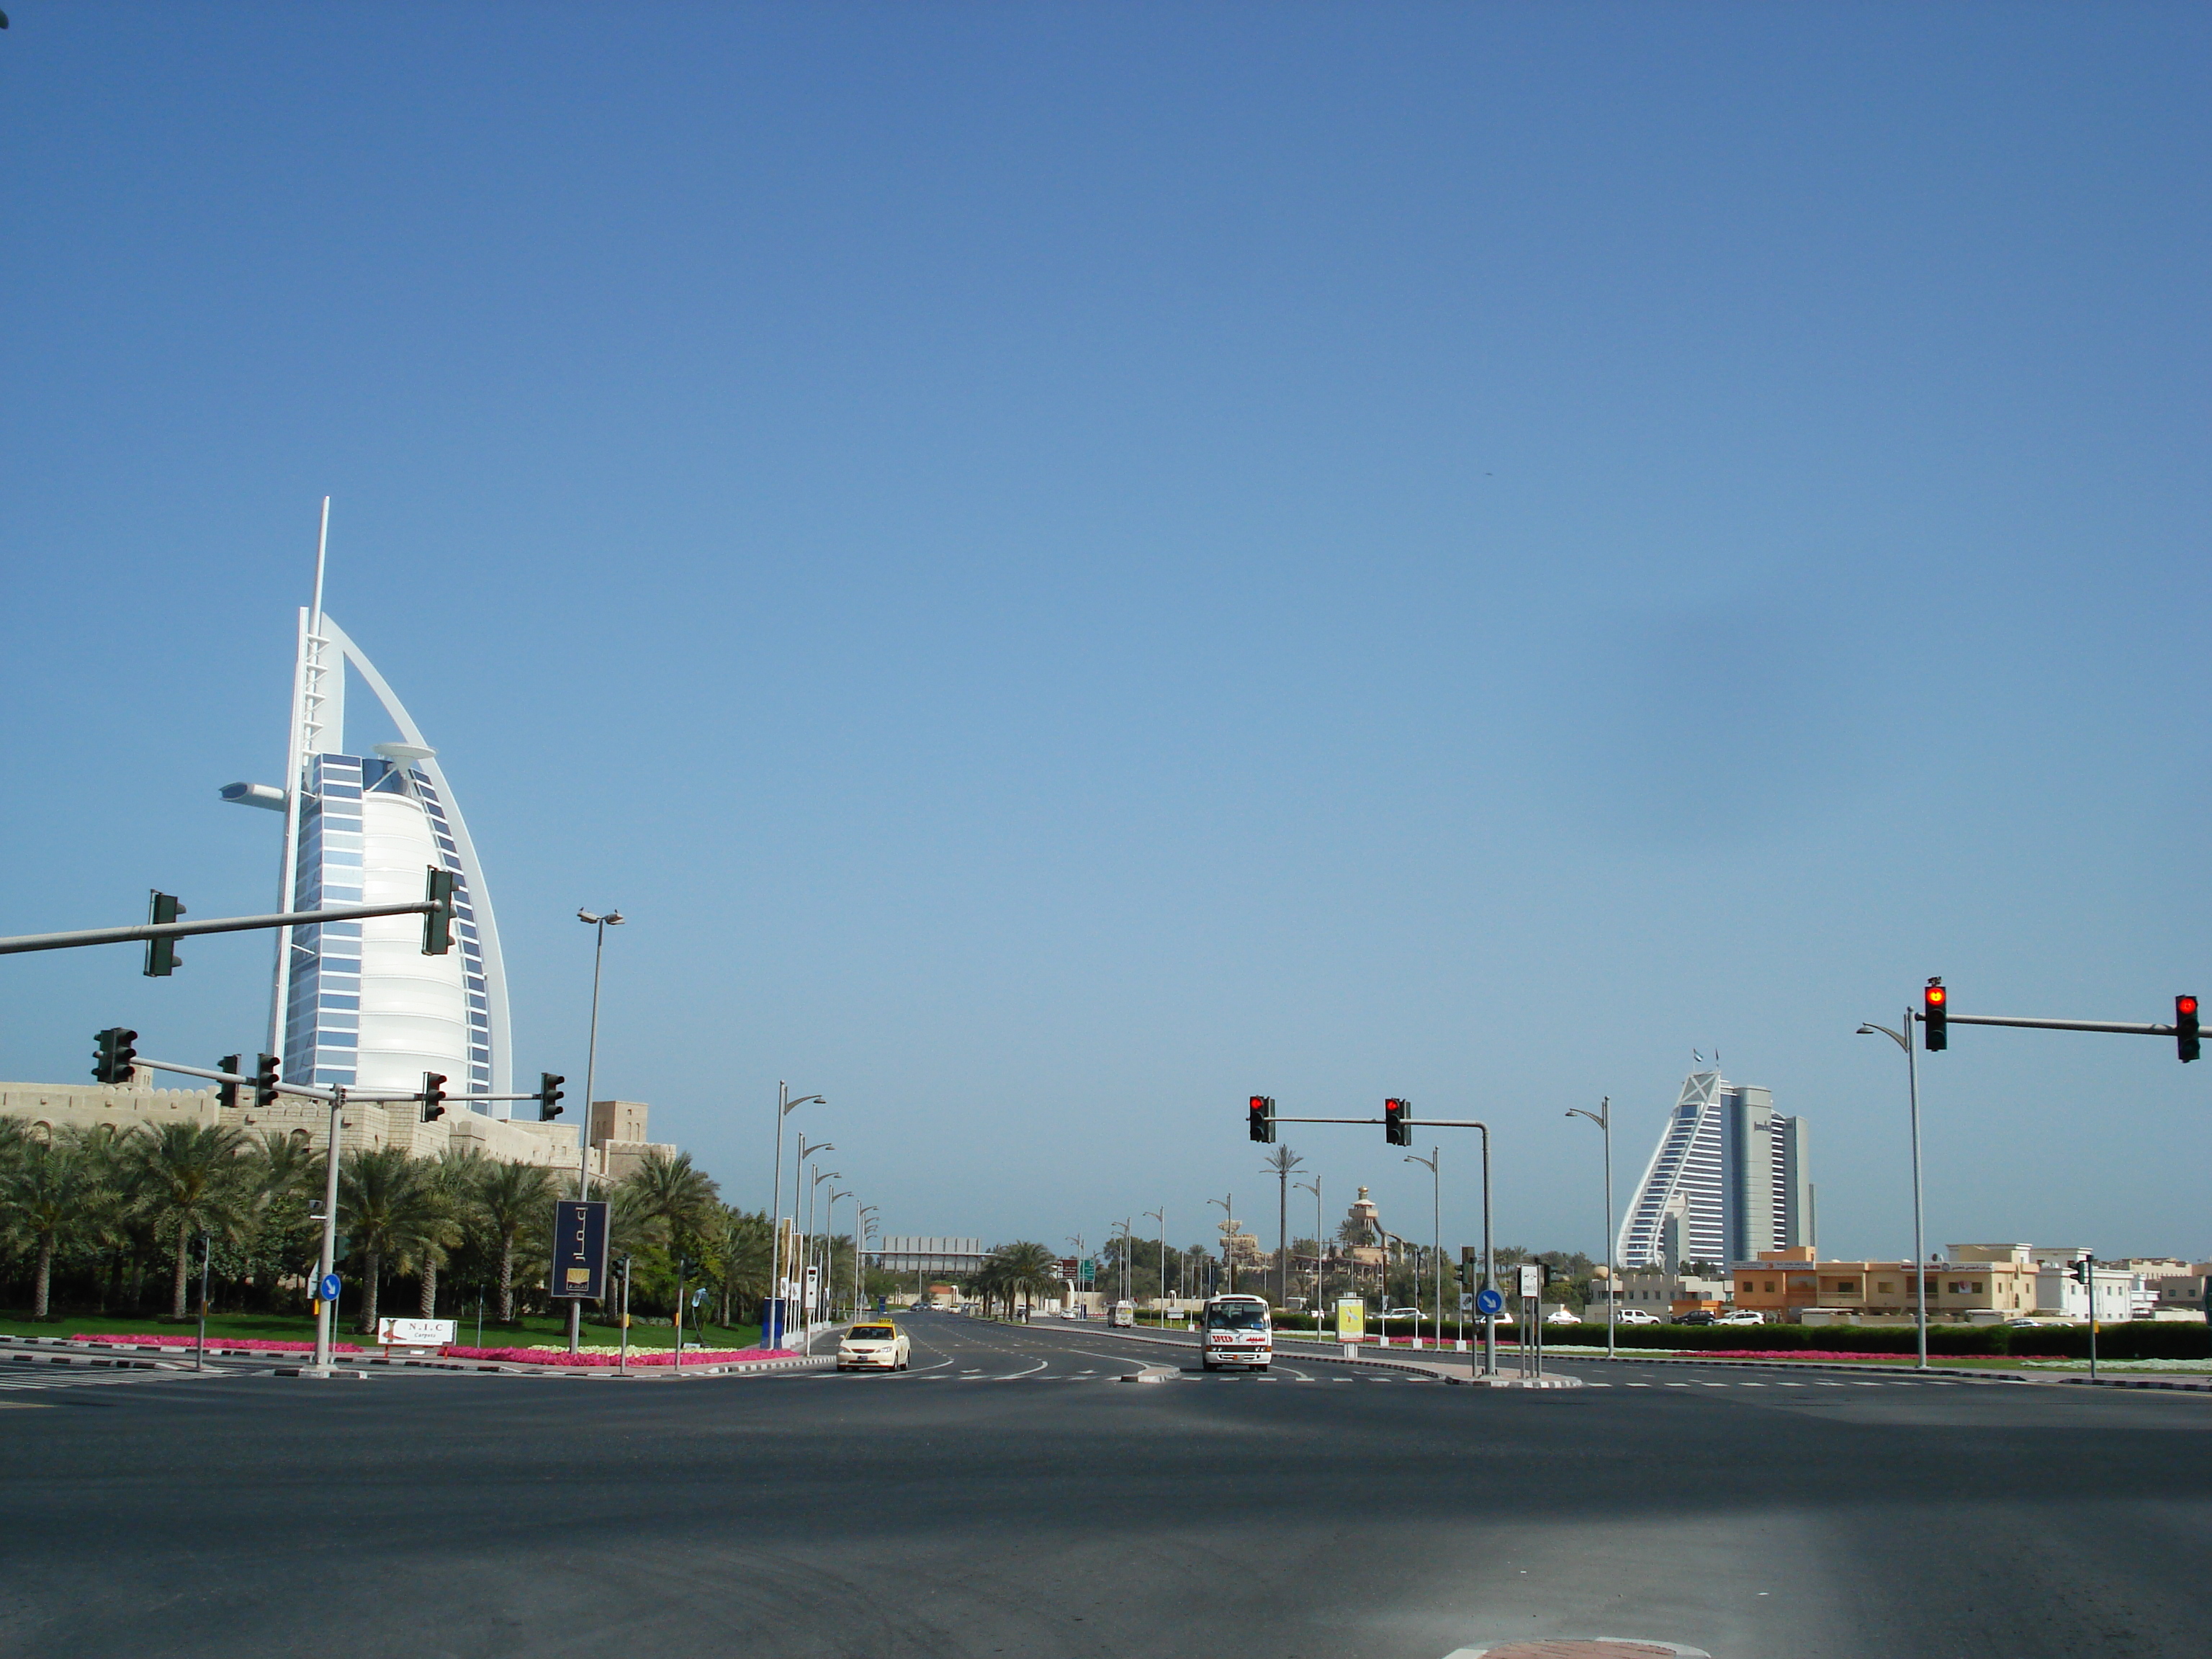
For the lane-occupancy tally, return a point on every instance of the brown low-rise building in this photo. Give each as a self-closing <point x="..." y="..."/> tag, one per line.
<point x="1783" y="1285"/>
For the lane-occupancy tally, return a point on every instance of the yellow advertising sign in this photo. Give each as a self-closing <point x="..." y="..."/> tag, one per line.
<point x="1350" y="1320"/>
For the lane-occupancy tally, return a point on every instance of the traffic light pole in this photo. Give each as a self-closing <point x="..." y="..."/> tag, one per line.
<point x="1489" y="1254"/>
<point x="326" y="1309"/>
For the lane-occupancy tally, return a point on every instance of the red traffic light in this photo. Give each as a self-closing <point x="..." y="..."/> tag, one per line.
<point x="2185" y="1004"/>
<point x="1935" y="1016"/>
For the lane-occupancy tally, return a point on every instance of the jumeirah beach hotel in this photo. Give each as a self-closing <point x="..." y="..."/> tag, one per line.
<point x="357" y="1003"/>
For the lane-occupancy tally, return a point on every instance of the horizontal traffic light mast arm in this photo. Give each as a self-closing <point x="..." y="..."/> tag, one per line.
<point x="2119" y="1027"/>
<point x="146" y="930"/>
<point x="1416" y="1123"/>
<point x="248" y="1078"/>
<point x="353" y="1095"/>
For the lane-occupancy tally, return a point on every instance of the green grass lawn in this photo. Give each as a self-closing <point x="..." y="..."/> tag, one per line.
<point x="531" y="1331"/>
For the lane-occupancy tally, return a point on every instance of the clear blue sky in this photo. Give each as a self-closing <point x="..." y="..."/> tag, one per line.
<point x="1066" y="564"/>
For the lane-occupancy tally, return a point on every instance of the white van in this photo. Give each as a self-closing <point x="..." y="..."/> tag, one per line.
<point x="1235" y="1330"/>
<point x="1122" y="1314"/>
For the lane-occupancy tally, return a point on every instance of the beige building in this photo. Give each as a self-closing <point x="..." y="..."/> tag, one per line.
<point x="618" y="1131"/>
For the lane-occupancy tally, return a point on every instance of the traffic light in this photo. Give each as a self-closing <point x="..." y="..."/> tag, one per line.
<point x="111" y="1057"/>
<point x="1398" y="1122"/>
<point x="1936" y="1016"/>
<point x="434" y="1096"/>
<point x="1263" y="1117"/>
<point x="2185" y="1028"/>
<point x="549" y="1096"/>
<point x="226" y="1094"/>
<point x="2083" y="1269"/>
<point x="265" y="1080"/>
<point x="438" y="924"/>
<point x="162" y="953"/>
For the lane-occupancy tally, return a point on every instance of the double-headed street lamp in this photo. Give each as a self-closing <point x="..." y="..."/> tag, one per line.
<point x="1436" y="1239"/>
<point x="777" y="1267"/>
<point x="1603" y="1118"/>
<point x="600" y="922"/>
<point x="1228" y="1207"/>
<point x="815" y="1241"/>
<point x="1160" y="1215"/>
<point x="1904" y="1040"/>
<point x="1320" y="1244"/>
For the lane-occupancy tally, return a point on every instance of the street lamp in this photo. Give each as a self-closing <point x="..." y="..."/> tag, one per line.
<point x="830" y="1261"/>
<point x="1603" y="1118"/>
<point x="1160" y="1215"/>
<point x="795" y="1264"/>
<point x="601" y="922"/>
<point x="1124" y="1225"/>
<point x="816" y="1241"/>
<point x="777" y="1265"/>
<point x="1437" y="1236"/>
<point x="1904" y="1040"/>
<point x="1320" y="1246"/>
<point x="1074" y="1285"/>
<point x="1228" y="1237"/>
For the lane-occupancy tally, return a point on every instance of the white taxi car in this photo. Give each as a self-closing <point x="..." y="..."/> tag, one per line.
<point x="874" y="1345"/>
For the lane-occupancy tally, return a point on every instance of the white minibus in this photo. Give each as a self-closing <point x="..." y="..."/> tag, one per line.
<point x="1235" y="1330"/>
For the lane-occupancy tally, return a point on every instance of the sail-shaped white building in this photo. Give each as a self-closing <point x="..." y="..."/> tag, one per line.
<point x="357" y="1003"/>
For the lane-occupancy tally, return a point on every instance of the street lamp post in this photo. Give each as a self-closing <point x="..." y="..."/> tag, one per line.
<point x="1074" y="1285"/>
<point x="777" y="1265"/>
<point x="795" y="1264"/>
<point x="1603" y="1118"/>
<point x="1160" y="1215"/>
<point x="829" y="1254"/>
<point x="1904" y="1040"/>
<point x="600" y="923"/>
<point x="1228" y="1238"/>
<point x="1437" y="1229"/>
<point x="814" y="1243"/>
<point x="1314" y="1187"/>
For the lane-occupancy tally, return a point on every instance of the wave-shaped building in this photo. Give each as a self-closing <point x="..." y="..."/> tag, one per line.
<point x="1731" y="1177"/>
<point x="357" y="1003"/>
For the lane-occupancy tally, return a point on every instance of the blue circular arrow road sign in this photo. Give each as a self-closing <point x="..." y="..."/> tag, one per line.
<point x="1489" y="1302"/>
<point x="329" y="1287"/>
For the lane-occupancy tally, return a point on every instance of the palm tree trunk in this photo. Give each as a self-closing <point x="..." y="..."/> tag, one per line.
<point x="506" y="1281"/>
<point x="429" y="1287"/>
<point x="44" y="1277"/>
<point x="373" y="1267"/>
<point x="184" y="1267"/>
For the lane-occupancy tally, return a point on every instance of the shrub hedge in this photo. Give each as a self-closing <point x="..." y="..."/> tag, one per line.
<point x="2144" y="1340"/>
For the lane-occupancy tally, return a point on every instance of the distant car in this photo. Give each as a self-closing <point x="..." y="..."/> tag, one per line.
<point x="1635" y="1316"/>
<point x="1741" y="1316"/>
<point x="875" y="1346"/>
<point x="1403" y="1313"/>
<point x="1697" y="1317"/>
<point x="2027" y="1324"/>
<point x="1563" y="1316"/>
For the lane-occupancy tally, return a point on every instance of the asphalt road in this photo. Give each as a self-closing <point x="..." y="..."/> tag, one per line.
<point x="1008" y="1497"/>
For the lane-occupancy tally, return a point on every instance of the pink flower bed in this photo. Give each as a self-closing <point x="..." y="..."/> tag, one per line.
<point x="252" y="1343"/>
<point x="637" y="1357"/>
<point x="519" y="1355"/>
<point x="1823" y="1355"/>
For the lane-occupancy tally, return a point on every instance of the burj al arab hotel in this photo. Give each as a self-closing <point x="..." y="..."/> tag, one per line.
<point x="357" y="1003"/>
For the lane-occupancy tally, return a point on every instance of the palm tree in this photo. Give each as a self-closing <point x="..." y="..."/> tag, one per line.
<point x="52" y="1194"/>
<point x="670" y="1201"/>
<point x="188" y="1179"/>
<point x="392" y="1207"/>
<point x="455" y="1174"/>
<point x="1022" y="1268"/>
<point x="510" y="1202"/>
<point x="739" y="1245"/>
